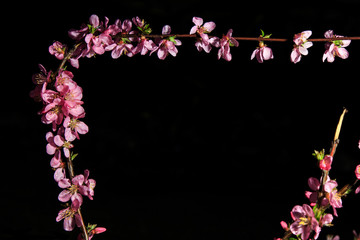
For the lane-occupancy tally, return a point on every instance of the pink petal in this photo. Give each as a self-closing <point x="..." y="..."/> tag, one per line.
<point x="314" y="183"/>
<point x="193" y="29"/>
<point x="303" y="50"/>
<point x="69" y="224"/>
<point x="82" y="128"/>
<point x="342" y="53"/>
<point x="197" y="21"/>
<point x="307" y="34"/>
<point x="162" y="53"/>
<point x="166" y="29"/>
<point x="64" y="183"/>
<point x="209" y="26"/>
<point x="295" y="56"/>
<point x="94" y="20"/>
<point x="64" y="196"/>
<point x="267" y="53"/>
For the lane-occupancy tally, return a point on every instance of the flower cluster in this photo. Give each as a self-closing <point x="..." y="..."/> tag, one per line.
<point x="309" y="219"/>
<point x="332" y="47"/>
<point x="63" y="108"/>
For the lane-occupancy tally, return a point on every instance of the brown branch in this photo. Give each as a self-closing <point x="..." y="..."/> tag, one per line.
<point x="238" y="38"/>
<point x="332" y="39"/>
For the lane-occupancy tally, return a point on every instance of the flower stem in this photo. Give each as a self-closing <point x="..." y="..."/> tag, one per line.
<point x="71" y="174"/>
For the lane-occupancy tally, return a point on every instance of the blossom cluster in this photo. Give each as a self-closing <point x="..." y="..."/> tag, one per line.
<point x="61" y="97"/>
<point x="308" y="219"/>
<point x="63" y="108"/>
<point x="332" y="48"/>
<point x="131" y="37"/>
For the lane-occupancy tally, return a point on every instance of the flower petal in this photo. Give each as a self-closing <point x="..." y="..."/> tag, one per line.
<point x="197" y="21"/>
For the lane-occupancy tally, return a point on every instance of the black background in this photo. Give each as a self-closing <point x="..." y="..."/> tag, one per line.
<point x="187" y="148"/>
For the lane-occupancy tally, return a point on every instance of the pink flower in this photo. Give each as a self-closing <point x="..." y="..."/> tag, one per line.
<point x="63" y="80"/>
<point x="72" y="190"/>
<point x="79" y="186"/>
<point x="53" y="149"/>
<point x="357" y="174"/>
<point x="334" y="197"/>
<point x="262" y="53"/>
<point x="144" y="46"/>
<point x="89" y="185"/>
<point x="301" y="46"/>
<point x="204" y="42"/>
<point x="57" y="49"/>
<point x="43" y="76"/>
<point x="226" y="42"/>
<point x="74" y="127"/>
<point x="304" y="222"/>
<point x="70" y="216"/>
<point x="94" y="26"/>
<point x="325" y="163"/>
<point x="121" y="45"/>
<point x="335" y="48"/>
<point x="168" y="45"/>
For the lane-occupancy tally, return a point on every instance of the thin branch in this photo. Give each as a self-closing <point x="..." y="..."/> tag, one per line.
<point x="332" y="39"/>
<point x="71" y="173"/>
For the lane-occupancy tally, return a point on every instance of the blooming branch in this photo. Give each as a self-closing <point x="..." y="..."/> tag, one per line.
<point x="63" y="110"/>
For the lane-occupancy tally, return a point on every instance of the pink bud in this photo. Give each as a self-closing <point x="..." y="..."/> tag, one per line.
<point x="357" y="171"/>
<point x="325" y="163"/>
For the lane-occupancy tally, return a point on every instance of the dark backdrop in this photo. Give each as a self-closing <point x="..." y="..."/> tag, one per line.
<point x="187" y="148"/>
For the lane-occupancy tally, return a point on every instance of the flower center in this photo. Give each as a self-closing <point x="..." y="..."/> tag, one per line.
<point x="305" y="220"/>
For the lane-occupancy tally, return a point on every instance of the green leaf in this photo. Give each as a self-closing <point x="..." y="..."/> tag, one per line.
<point x="262" y="33"/>
<point x="267" y="36"/>
<point x="73" y="156"/>
<point x="319" y="155"/>
<point x="172" y="39"/>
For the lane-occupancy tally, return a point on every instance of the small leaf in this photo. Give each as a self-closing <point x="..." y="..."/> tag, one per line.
<point x="172" y="39"/>
<point x="73" y="156"/>
<point x="262" y="33"/>
<point x="268" y="36"/>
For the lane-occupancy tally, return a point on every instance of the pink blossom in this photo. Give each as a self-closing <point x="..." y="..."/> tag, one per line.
<point x="57" y="49"/>
<point x="56" y="143"/>
<point x="72" y="190"/>
<point x="64" y="79"/>
<point x="314" y="185"/>
<point x="121" y="45"/>
<point x="357" y="174"/>
<point x="53" y="149"/>
<point x="168" y="45"/>
<point x="325" y="163"/>
<point x="335" y="48"/>
<point x="94" y="26"/>
<point x="301" y="46"/>
<point x="226" y="42"/>
<point x="262" y="53"/>
<point x="70" y="216"/>
<point x="89" y="185"/>
<point x="144" y="46"/>
<point x="74" y="127"/>
<point x="304" y="222"/>
<point x="52" y="112"/>
<point x="43" y="76"/>
<point x="204" y="42"/>
<point x="334" y="197"/>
